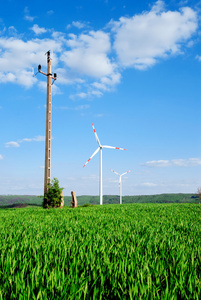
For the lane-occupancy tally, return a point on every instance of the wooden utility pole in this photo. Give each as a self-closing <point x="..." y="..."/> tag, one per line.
<point x="48" y="124"/>
<point x="48" y="121"/>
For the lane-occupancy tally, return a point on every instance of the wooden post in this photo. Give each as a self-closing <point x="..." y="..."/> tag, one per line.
<point x="62" y="200"/>
<point x="73" y="200"/>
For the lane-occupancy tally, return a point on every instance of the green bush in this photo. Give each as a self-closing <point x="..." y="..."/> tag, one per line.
<point x="86" y="205"/>
<point x="53" y="197"/>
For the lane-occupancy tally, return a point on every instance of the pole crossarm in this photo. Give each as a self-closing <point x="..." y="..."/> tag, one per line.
<point x="50" y="74"/>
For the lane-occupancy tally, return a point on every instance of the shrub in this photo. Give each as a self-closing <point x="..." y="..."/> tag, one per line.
<point x="199" y="193"/>
<point x="53" y="197"/>
<point x="86" y="205"/>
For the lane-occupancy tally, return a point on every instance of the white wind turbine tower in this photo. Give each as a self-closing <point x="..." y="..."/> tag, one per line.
<point x="120" y="186"/>
<point x="100" y="147"/>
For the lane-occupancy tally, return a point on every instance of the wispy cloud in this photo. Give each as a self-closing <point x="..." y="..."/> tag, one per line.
<point x="89" y="94"/>
<point x="38" y="138"/>
<point x="27" y="15"/>
<point x="76" y="108"/>
<point x="99" y="115"/>
<point x="90" y="177"/>
<point x="12" y="31"/>
<point x="81" y="95"/>
<point x="191" y="162"/>
<point x="50" y="12"/>
<point x="77" y="24"/>
<point x="149" y="184"/>
<point x="1" y="157"/>
<point x="13" y="144"/>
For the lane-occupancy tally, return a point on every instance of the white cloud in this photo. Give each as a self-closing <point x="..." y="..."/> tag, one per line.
<point x="7" y="77"/>
<point x="78" y="24"/>
<point x="25" y="78"/>
<point x="144" y="38"/>
<point x="1" y="157"/>
<point x="12" y="144"/>
<point x="38" y="30"/>
<point x="17" y="58"/>
<point x="43" y="86"/>
<point x="108" y="82"/>
<point x="87" y="60"/>
<point x="96" y="93"/>
<point x="180" y="162"/>
<point x="158" y="6"/>
<point x="88" y="54"/>
<point x="195" y="161"/>
<point x="65" y="76"/>
<point x="191" y="162"/>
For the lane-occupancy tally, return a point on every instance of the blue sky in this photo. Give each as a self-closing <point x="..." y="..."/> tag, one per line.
<point x="133" y="68"/>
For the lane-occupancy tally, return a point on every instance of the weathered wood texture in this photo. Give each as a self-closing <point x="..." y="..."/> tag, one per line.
<point x="73" y="200"/>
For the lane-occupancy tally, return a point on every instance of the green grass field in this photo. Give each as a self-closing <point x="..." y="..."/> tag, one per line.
<point x="129" y="251"/>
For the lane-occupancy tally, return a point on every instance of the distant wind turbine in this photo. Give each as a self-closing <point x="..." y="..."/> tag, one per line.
<point x="120" y="186"/>
<point x="100" y="147"/>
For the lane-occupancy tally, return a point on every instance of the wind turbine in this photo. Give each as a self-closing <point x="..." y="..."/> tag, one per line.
<point x="120" y="182"/>
<point x="100" y="147"/>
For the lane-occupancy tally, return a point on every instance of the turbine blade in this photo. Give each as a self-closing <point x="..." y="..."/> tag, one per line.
<point x="96" y="135"/>
<point x="126" y="172"/>
<point x="115" y="172"/>
<point x="110" y="147"/>
<point x="92" y="156"/>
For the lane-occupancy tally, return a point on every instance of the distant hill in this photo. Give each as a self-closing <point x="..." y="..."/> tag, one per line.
<point x="9" y="200"/>
<point x="20" y="201"/>
<point x="114" y="199"/>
